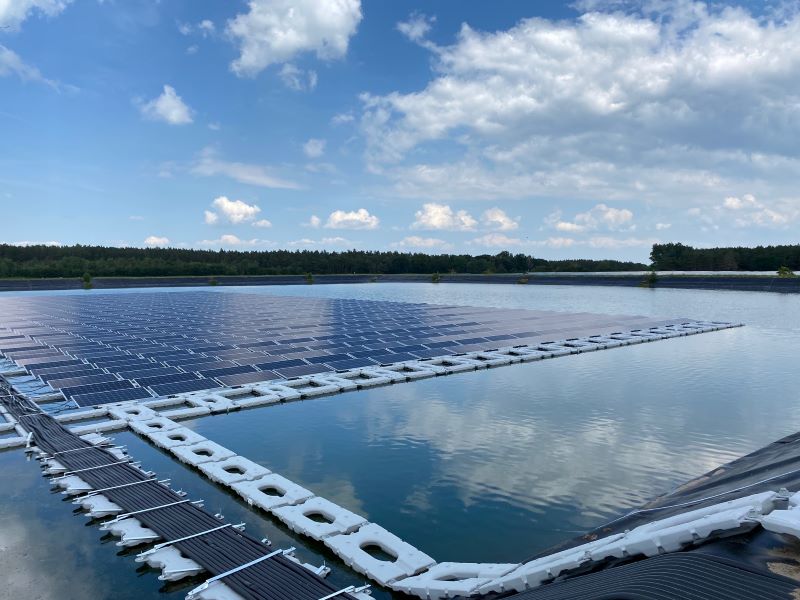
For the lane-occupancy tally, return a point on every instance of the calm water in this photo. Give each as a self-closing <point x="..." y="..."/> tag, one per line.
<point x="486" y="466"/>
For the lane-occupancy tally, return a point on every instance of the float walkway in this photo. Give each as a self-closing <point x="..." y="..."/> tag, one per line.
<point x="245" y="565"/>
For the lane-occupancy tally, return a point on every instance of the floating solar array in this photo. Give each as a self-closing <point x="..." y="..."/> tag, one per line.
<point x="98" y="349"/>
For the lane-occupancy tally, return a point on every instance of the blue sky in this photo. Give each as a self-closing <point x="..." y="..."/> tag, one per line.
<point x="582" y="129"/>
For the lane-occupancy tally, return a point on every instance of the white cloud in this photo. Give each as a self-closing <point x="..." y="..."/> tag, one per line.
<point x="417" y="27"/>
<point x="192" y="49"/>
<point x="206" y="27"/>
<point x="314" y="148"/>
<point x="498" y="219"/>
<point x="599" y="216"/>
<point x="612" y="242"/>
<point x="750" y="211"/>
<point x="235" y="211"/>
<point x="262" y="223"/>
<point x="342" y="118"/>
<point x="12" y="64"/>
<point x="274" y="31"/>
<point x="734" y="203"/>
<point x="209" y="165"/>
<point x="30" y="243"/>
<point x="669" y="103"/>
<point x="663" y="226"/>
<point x="441" y="216"/>
<point x="326" y="241"/>
<point x="169" y="107"/>
<point x="229" y="239"/>
<point x="297" y="79"/>
<point x="497" y="240"/>
<point x="415" y="241"/>
<point x="210" y="217"/>
<point x="136" y="218"/>
<point x="14" y="12"/>
<point x="214" y="126"/>
<point x="357" y="219"/>
<point x="154" y="240"/>
<point x="314" y="222"/>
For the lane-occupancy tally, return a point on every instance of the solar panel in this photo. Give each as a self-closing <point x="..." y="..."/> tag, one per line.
<point x="289" y="372"/>
<point x="162" y="379"/>
<point x="65" y="372"/>
<point x="386" y="359"/>
<point x="180" y="387"/>
<point x="110" y="396"/>
<point x="353" y="363"/>
<point x="141" y="374"/>
<point x="280" y="364"/>
<point x="84" y="379"/>
<point x="228" y="371"/>
<point x="245" y="378"/>
<point x="327" y="358"/>
<point x="96" y="387"/>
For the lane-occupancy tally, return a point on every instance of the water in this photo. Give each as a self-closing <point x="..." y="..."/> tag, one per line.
<point x="487" y="466"/>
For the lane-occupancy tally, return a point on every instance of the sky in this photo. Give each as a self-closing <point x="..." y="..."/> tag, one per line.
<point x="586" y="129"/>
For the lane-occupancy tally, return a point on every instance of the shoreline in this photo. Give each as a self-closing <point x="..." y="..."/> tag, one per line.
<point x="744" y="282"/>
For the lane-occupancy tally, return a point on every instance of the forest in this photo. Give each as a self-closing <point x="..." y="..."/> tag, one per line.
<point x="100" y="261"/>
<point x="677" y="257"/>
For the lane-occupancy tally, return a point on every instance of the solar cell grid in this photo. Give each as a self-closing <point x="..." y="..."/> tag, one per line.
<point x="163" y="379"/>
<point x="180" y="387"/>
<point x="96" y="387"/>
<point x="81" y="379"/>
<point x="107" y="397"/>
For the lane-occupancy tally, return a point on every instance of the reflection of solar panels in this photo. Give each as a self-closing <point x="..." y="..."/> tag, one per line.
<point x="162" y="340"/>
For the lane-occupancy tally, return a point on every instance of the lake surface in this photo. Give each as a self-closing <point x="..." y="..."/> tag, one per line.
<point x="486" y="466"/>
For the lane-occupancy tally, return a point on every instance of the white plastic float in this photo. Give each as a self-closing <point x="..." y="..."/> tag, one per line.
<point x="665" y="535"/>
<point x="177" y="436"/>
<point x="233" y="470"/>
<point x="173" y="564"/>
<point x="215" y="403"/>
<point x="454" y="364"/>
<point x="362" y="378"/>
<point x="184" y="410"/>
<point x="93" y="413"/>
<point x="201" y="452"/>
<point x="132" y="412"/>
<point x="447" y="580"/>
<point x="98" y="506"/>
<point x="342" y="384"/>
<point x="156" y="424"/>
<point x="337" y="519"/>
<point x="72" y="485"/>
<point x="130" y="531"/>
<point x="282" y="390"/>
<point x="111" y="425"/>
<point x="271" y="491"/>
<point x="407" y="560"/>
<point x="493" y="359"/>
<point x="249" y="396"/>
<point x="412" y="370"/>
<point x="389" y="375"/>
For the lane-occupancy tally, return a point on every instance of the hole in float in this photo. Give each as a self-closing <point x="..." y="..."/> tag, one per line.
<point x="378" y="552"/>
<point x="234" y="470"/>
<point x="178" y="437"/>
<point x="270" y="490"/>
<point x="155" y="425"/>
<point x="202" y="452"/>
<point x="318" y="517"/>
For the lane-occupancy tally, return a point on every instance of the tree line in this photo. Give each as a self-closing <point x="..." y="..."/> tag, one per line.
<point x="678" y="257"/>
<point x="101" y="261"/>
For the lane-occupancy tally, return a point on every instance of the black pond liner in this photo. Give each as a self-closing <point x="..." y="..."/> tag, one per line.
<point x="741" y="566"/>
